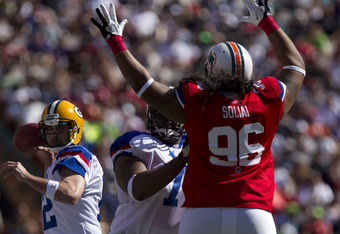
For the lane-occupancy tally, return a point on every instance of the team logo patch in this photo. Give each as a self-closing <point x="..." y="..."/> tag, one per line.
<point x="211" y="61"/>
<point x="78" y="112"/>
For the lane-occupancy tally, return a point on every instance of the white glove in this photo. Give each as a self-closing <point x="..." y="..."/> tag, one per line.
<point x="258" y="9"/>
<point x="110" y="23"/>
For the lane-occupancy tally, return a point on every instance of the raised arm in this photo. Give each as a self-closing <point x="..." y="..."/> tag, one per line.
<point x="291" y="61"/>
<point x="293" y="72"/>
<point x="152" y="92"/>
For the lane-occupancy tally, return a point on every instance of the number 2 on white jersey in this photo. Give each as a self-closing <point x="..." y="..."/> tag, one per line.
<point x="48" y="221"/>
<point x="238" y="150"/>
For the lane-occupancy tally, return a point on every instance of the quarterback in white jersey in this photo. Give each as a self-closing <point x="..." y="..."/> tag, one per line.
<point x="83" y="216"/>
<point x="149" y="177"/>
<point x="72" y="187"/>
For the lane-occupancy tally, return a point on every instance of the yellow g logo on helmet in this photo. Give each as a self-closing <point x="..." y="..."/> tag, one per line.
<point x="78" y="112"/>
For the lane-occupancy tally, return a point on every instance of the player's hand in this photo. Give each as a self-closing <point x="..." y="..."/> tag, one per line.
<point x="185" y="151"/>
<point x="44" y="150"/>
<point x="110" y="25"/>
<point x="258" y="9"/>
<point x="14" y="168"/>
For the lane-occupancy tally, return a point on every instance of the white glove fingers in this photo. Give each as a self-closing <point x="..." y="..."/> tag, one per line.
<point x="245" y="19"/>
<point x="122" y="24"/>
<point x="105" y="13"/>
<point x="251" y="3"/>
<point x="113" y="12"/>
<point x="254" y="3"/>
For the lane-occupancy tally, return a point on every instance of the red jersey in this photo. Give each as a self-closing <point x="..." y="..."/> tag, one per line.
<point x="230" y="161"/>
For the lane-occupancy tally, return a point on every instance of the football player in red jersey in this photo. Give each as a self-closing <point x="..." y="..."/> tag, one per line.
<point x="230" y="121"/>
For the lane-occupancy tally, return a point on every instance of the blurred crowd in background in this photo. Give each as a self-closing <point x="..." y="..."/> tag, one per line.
<point x="50" y="50"/>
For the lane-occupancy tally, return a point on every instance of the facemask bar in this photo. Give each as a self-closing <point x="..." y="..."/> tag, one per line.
<point x="161" y="126"/>
<point x="55" y="141"/>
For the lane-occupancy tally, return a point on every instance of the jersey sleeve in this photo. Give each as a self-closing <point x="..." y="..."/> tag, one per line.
<point x="141" y="145"/>
<point x="186" y="91"/>
<point x="75" y="158"/>
<point x="121" y="146"/>
<point x="269" y="88"/>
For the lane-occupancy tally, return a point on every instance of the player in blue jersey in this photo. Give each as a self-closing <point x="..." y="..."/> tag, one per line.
<point x="73" y="183"/>
<point x="149" y="170"/>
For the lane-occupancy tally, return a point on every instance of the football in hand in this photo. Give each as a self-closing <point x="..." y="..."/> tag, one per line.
<point x="26" y="137"/>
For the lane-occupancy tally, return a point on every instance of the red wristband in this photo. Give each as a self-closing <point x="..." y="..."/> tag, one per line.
<point x="268" y="25"/>
<point x="116" y="44"/>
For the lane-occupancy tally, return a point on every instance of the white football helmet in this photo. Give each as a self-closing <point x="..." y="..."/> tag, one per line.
<point x="230" y="57"/>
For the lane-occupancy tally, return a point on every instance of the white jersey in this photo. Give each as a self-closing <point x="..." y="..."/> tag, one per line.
<point x="83" y="217"/>
<point x="159" y="213"/>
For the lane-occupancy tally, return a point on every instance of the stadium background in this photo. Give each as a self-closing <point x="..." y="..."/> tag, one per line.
<point x="49" y="50"/>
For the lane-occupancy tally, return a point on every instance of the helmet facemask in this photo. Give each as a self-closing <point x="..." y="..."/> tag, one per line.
<point x="163" y="128"/>
<point x="61" y="125"/>
<point x="57" y="133"/>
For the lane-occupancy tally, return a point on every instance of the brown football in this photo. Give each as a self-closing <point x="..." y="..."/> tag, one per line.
<point x="26" y="137"/>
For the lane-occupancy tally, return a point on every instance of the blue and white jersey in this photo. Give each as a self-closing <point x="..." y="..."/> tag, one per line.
<point x="82" y="217"/>
<point x="159" y="213"/>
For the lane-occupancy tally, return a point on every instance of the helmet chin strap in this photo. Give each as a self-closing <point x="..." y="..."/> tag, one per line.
<point x="58" y="149"/>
